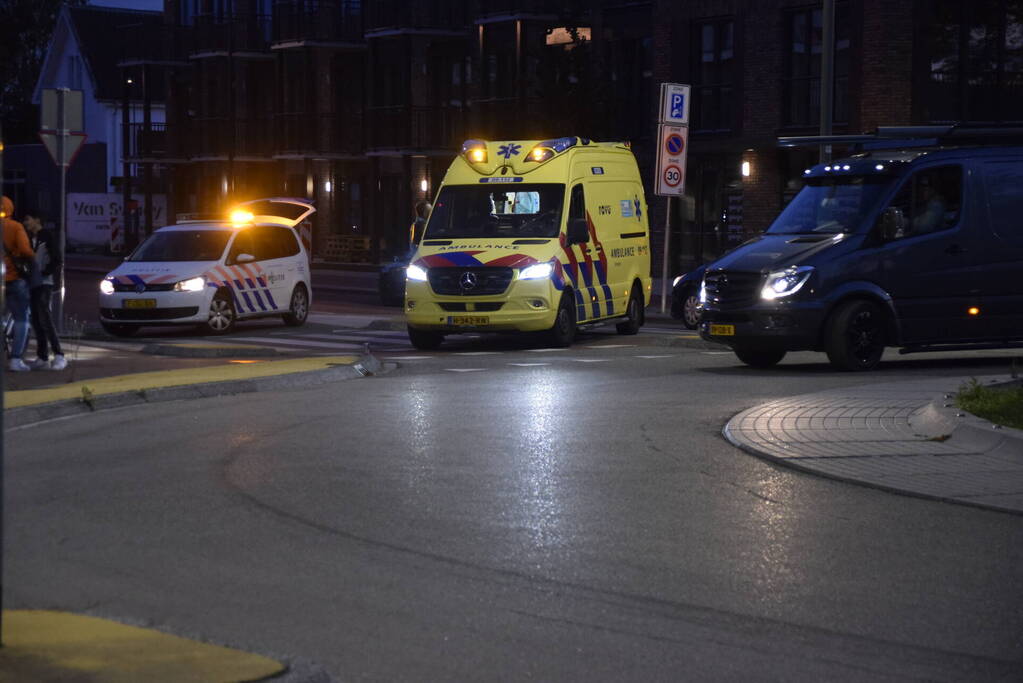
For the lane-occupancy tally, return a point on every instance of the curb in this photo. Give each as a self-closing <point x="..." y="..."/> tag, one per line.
<point x="367" y="365"/>
<point x="937" y="420"/>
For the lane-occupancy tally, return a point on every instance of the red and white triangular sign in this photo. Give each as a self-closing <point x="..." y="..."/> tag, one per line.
<point x="72" y="145"/>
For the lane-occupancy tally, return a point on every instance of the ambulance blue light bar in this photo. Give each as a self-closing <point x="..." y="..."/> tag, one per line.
<point x="548" y="148"/>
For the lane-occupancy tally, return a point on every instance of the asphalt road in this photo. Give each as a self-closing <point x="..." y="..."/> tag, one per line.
<point x="500" y="512"/>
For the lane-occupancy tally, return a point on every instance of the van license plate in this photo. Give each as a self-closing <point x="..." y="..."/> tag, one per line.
<point x="140" y="303"/>
<point x="469" y="320"/>
<point x="722" y="330"/>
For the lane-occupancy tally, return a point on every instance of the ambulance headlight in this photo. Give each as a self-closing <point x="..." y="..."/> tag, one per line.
<point x="414" y="272"/>
<point x="785" y="282"/>
<point x="536" y="271"/>
<point x="194" y="284"/>
<point x="106" y="286"/>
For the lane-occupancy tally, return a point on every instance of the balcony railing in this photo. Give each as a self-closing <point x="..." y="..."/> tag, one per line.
<point x="155" y="43"/>
<point x="237" y="33"/>
<point x="327" y="21"/>
<point x="222" y="137"/>
<point x="147" y="143"/>
<point x="438" y="15"/>
<point x="319" y="134"/>
<point x="406" y="127"/>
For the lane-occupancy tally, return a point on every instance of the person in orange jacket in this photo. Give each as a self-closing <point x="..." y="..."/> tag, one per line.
<point x="16" y="245"/>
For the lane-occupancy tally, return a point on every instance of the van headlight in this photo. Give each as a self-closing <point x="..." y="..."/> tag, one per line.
<point x="786" y="282"/>
<point x="193" y="284"/>
<point x="414" y="272"/>
<point x="536" y="271"/>
<point x="106" y="285"/>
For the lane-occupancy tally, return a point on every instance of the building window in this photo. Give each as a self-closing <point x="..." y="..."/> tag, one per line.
<point x="803" y="83"/>
<point x="976" y="61"/>
<point x="714" y="75"/>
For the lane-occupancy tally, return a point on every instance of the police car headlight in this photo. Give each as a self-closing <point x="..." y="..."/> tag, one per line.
<point x="194" y="284"/>
<point x="106" y="286"/>
<point x="414" y="272"/>
<point x="785" y="282"/>
<point x="536" y="271"/>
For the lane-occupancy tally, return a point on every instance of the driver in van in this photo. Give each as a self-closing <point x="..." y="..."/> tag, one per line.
<point x="929" y="212"/>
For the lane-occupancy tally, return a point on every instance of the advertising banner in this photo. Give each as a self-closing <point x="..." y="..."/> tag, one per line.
<point x="97" y="219"/>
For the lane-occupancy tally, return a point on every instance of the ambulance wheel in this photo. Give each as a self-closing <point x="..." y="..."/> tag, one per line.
<point x="562" y="332"/>
<point x="222" y="314"/>
<point x="119" y="329"/>
<point x="633" y="314"/>
<point x="757" y="358"/>
<point x="425" y="340"/>
<point x="299" y="309"/>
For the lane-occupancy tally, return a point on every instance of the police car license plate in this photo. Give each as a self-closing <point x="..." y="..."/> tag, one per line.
<point x="469" y="320"/>
<point x="722" y="330"/>
<point x="140" y="303"/>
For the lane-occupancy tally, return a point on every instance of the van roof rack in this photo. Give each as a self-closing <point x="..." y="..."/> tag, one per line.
<point x="894" y="137"/>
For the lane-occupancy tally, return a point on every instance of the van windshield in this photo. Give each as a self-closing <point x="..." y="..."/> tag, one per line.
<point x="182" y="245"/>
<point x="508" y="210"/>
<point x="831" y="205"/>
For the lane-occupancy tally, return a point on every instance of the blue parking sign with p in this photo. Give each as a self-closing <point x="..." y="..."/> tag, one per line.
<point x="678" y="102"/>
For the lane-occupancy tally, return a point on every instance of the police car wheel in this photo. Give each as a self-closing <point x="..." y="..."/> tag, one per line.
<point x="634" y="315"/>
<point x="119" y="329"/>
<point x="222" y="314"/>
<point x="299" y="309"/>
<point x="425" y="340"/>
<point x="562" y="332"/>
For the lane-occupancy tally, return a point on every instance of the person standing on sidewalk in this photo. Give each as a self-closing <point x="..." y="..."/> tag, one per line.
<point x="16" y="245"/>
<point x="44" y="243"/>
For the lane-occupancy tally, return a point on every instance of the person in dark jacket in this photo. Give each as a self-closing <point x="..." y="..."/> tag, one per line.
<point x="46" y="277"/>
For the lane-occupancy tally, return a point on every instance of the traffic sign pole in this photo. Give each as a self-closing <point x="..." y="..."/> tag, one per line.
<point x="62" y="134"/>
<point x="672" y="151"/>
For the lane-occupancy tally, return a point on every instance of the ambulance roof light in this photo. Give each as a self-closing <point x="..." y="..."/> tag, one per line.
<point x="475" y="151"/>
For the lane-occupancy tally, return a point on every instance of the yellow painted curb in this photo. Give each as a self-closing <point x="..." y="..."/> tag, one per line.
<point x="55" y="646"/>
<point x="170" y="378"/>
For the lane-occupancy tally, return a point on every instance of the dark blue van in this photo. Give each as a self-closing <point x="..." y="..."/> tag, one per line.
<point x="919" y="247"/>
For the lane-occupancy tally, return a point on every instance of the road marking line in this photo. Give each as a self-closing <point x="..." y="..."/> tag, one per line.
<point x="408" y="357"/>
<point x="528" y="365"/>
<point x="544" y="350"/>
<point x="591" y="360"/>
<point x="612" y="346"/>
<point x="716" y="353"/>
<point x="476" y="353"/>
<point x="465" y="369"/>
<point x="666" y="356"/>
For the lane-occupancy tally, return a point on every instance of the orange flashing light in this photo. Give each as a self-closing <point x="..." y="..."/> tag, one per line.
<point x="973" y="310"/>
<point x="240" y="217"/>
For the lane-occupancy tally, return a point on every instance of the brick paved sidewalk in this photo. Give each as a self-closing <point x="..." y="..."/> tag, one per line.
<point x="906" y="437"/>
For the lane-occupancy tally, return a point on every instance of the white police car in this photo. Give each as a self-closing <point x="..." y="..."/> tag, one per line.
<point x="212" y="273"/>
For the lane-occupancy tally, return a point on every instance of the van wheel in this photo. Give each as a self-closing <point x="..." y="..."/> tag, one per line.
<point x="562" y="332"/>
<point x="119" y="329"/>
<point x="425" y="340"/>
<point x="299" y="309"/>
<point x="222" y="314"/>
<point x="856" y="336"/>
<point x="757" y="358"/>
<point x="634" y="314"/>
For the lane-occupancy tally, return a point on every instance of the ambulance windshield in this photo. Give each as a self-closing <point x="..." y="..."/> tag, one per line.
<point x="490" y="210"/>
<point x="182" y="245"/>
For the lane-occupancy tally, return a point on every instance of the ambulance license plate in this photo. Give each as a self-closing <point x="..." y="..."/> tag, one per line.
<point x="722" y="330"/>
<point x="140" y="303"/>
<point x="468" y="320"/>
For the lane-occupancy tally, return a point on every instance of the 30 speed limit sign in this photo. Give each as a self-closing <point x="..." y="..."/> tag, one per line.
<point x="671" y="159"/>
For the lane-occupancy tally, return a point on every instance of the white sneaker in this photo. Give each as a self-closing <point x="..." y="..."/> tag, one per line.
<point x="39" y="364"/>
<point x="58" y="363"/>
<point x="17" y="365"/>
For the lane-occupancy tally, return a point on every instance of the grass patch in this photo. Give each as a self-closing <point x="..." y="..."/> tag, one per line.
<point x="1000" y="405"/>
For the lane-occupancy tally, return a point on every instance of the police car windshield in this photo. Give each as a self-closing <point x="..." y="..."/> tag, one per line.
<point x="831" y="205"/>
<point x="182" y="245"/>
<point x="504" y="210"/>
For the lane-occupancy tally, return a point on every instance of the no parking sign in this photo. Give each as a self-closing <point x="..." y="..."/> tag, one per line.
<point x="671" y="159"/>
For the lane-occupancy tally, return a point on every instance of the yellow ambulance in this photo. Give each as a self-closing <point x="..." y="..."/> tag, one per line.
<point x="532" y="236"/>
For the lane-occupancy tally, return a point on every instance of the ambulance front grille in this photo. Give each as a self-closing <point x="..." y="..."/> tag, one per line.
<point x="469" y="281"/>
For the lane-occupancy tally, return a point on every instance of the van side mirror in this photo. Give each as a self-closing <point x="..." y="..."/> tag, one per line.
<point x="578" y="231"/>
<point x="893" y="224"/>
